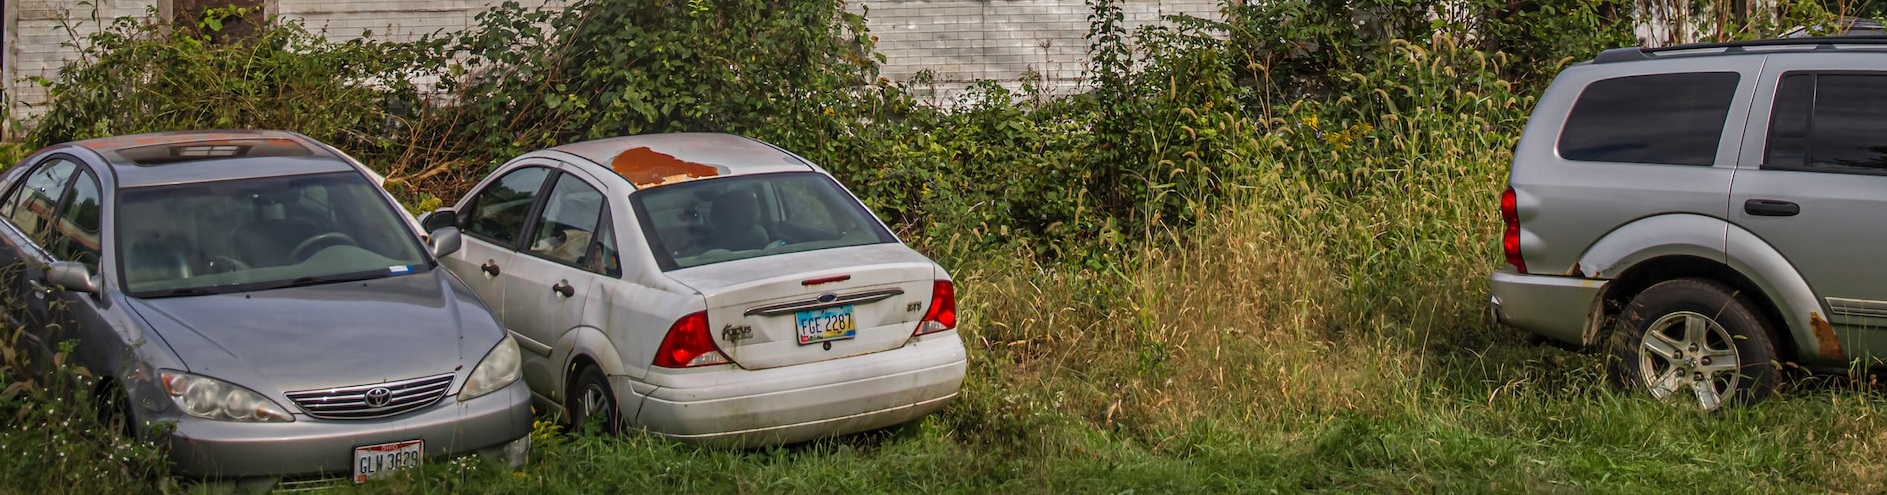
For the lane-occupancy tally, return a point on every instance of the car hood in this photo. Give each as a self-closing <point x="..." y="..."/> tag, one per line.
<point x="331" y="335"/>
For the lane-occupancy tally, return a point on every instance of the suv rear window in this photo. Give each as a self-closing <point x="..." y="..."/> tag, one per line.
<point x="1672" y="119"/>
<point x="711" y="221"/>
<point x="1829" y="122"/>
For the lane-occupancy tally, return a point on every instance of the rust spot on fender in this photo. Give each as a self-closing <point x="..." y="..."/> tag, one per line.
<point x="1827" y="344"/>
<point x="1575" y="271"/>
<point x="647" y="168"/>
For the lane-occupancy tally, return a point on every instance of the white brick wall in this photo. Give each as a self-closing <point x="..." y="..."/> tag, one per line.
<point x="958" y="40"/>
<point x="962" y="41"/>
<point x="36" y="35"/>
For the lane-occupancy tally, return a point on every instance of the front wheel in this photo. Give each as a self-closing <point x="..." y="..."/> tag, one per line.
<point x="1695" y="340"/>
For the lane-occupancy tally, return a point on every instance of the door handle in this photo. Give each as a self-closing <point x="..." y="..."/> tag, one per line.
<point x="1771" y="208"/>
<point x="563" y="288"/>
<point x="490" y="268"/>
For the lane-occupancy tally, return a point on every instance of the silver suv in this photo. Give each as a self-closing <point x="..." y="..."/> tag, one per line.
<point x="1703" y="212"/>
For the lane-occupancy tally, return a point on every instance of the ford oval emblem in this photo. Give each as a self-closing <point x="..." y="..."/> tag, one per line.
<point x="379" y="397"/>
<point x="828" y="297"/>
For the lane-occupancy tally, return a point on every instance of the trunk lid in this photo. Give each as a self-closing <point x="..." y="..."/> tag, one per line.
<point x="755" y="306"/>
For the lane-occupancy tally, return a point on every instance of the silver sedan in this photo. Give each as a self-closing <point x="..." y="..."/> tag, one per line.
<point x="708" y="288"/>
<point x="253" y="300"/>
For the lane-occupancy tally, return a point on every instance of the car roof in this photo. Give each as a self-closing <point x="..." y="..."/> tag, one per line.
<point x="200" y="156"/>
<point x="652" y="160"/>
<point x="1747" y="47"/>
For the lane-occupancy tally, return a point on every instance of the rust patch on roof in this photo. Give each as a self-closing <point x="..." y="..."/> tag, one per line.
<point x="1826" y="343"/>
<point x="648" y="168"/>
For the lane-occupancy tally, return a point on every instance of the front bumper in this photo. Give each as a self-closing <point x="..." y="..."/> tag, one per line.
<point x="1551" y="306"/>
<point x="312" y="447"/>
<point x="750" y="408"/>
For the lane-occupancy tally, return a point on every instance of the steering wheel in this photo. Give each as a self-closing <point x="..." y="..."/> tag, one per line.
<point x="225" y="264"/>
<point x="302" y="251"/>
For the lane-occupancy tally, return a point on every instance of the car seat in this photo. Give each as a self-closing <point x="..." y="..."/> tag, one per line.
<point x="735" y="221"/>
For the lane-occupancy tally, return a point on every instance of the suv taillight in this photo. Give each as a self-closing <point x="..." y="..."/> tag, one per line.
<point x="689" y="344"/>
<point x="1510" y="240"/>
<point x="943" y="309"/>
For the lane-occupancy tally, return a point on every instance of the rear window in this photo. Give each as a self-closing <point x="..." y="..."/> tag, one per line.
<point x="711" y="221"/>
<point x="1672" y="119"/>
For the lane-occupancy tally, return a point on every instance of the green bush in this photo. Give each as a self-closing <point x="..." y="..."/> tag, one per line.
<point x="136" y="76"/>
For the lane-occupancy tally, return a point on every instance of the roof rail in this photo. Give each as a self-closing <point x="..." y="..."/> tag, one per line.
<point x="1638" y="53"/>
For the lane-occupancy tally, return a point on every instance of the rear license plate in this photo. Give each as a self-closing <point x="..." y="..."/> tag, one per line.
<point x="820" y="325"/>
<point x="373" y="461"/>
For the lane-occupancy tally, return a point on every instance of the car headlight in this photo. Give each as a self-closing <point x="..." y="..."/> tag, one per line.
<point x="499" y="368"/>
<point x="210" y="398"/>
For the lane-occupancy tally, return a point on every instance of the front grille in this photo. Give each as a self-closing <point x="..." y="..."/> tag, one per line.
<point x="352" y="402"/>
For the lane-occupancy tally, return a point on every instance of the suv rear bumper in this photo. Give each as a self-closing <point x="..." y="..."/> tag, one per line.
<point x="1550" y="306"/>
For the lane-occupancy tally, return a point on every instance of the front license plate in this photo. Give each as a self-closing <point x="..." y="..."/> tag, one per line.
<point x="820" y="325"/>
<point x="374" y="461"/>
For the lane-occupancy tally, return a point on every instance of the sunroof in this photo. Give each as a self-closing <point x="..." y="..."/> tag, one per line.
<point x="163" y="154"/>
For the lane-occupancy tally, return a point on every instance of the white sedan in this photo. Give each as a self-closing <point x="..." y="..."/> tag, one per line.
<point x="706" y="287"/>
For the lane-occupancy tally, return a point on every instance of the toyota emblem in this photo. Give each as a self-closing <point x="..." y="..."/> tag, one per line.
<point x="379" y="397"/>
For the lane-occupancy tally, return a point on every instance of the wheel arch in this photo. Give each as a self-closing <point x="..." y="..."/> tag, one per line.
<point x="585" y="346"/>
<point x="1748" y="264"/>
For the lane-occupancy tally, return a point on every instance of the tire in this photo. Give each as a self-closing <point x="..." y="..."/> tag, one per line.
<point x="591" y="398"/>
<point x="1696" y="339"/>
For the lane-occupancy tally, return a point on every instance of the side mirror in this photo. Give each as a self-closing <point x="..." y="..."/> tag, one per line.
<point x="439" y="219"/>
<point x="72" y="276"/>
<point x="445" y="241"/>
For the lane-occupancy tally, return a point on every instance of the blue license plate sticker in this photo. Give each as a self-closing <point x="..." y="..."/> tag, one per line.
<point x="819" y="325"/>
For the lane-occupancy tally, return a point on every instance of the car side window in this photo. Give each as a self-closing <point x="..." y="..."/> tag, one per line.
<point x="75" y="235"/>
<point x="32" y="207"/>
<point x="498" y="213"/>
<point x="568" y="222"/>
<point x="1828" y="122"/>
<point x="1674" y="119"/>
<point x="602" y="257"/>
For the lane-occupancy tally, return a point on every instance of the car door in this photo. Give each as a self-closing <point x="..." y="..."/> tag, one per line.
<point x="29" y="210"/>
<point x="1813" y="185"/>
<point x="75" y="235"/>
<point x="555" y="274"/>
<point x="492" y="219"/>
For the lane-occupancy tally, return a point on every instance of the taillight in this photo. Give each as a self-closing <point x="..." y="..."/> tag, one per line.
<point x="689" y="344"/>
<point x="943" y="309"/>
<point x="1510" y="240"/>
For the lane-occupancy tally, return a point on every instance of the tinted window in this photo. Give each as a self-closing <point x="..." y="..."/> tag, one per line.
<point x="1830" y="122"/>
<point x="711" y="221"/>
<point x="565" y="228"/>
<point x="1666" y="118"/>
<point x="75" y="234"/>
<point x="32" y="207"/>
<point x="498" y="212"/>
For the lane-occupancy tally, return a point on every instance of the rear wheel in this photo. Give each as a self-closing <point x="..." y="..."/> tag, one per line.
<point x="1697" y="341"/>
<point x="591" y="401"/>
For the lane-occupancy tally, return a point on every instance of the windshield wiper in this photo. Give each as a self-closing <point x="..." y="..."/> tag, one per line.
<point x="187" y="291"/>
<point x="337" y="278"/>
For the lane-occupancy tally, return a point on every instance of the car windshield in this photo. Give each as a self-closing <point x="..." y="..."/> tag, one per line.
<point x="253" y="234"/>
<point x="716" y="220"/>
